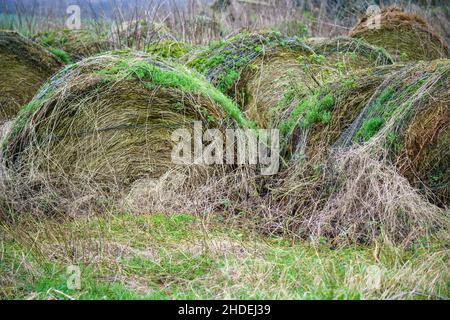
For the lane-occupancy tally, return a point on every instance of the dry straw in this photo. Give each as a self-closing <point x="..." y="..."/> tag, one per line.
<point x="24" y="66"/>
<point x="408" y="37"/>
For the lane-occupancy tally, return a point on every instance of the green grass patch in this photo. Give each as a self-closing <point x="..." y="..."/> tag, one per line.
<point x="179" y="257"/>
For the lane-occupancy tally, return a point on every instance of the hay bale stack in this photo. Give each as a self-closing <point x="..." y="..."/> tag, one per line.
<point x="24" y="67"/>
<point x="406" y="36"/>
<point x="260" y="70"/>
<point x="73" y="45"/>
<point x="109" y="119"/>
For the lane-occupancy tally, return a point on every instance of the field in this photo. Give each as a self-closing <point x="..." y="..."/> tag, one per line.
<point x="341" y="191"/>
<point x="122" y="256"/>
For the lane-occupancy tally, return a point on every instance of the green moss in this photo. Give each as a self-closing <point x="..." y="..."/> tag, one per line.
<point x="61" y="54"/>
<point x="369" y="128"/>
<point x="313" y="109"/>
<point x="227" y="80"/>
<point x="168" y="49"/>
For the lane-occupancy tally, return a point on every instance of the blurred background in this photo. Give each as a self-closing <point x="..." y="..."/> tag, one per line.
<point x="200" y="21"/>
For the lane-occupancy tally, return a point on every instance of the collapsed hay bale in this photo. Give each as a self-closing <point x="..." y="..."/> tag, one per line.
<point x="260" y="69"/>
<point x="73" y="45"/>
<point x="109" y="119"/>
<point x="407" y="105"/>
<point x="24" y="67"/>
<point x="406" y="36"/>
<point x="409" y="116"/>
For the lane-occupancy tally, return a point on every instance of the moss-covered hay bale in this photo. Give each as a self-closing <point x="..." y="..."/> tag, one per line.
<point x="409" y="115"/>
<point x="24" y="67"/>
<point x="403" y="110"/>
<point x="406" y="36"/>
<point x="73" y="45"/>
<point x="110" y="118"/>
<point x="260" y="69"/>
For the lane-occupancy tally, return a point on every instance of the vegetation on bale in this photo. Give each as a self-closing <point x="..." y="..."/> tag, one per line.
<point x="25" y="67"/>
<point x="406" y="36"/>
<point x="62" y="55"/>
<point x="313" y="109"/>
<point x="313" y="122"/>
<point x="370" y="127"/>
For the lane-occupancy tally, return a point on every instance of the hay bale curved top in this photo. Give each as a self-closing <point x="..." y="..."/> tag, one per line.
<point x="260" y="69"/>
<point x="406" y="36"/>
<point x="314" y="122"/>
<point x="235" y="68"/>
<point x="73" y="45"/>
<point x="110" y="118"/>
<point x="24" y="67"/>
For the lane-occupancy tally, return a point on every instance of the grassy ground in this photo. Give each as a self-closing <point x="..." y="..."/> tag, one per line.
<point x="182" y="257"/>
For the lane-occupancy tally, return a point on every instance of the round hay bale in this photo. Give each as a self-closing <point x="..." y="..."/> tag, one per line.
<point x="409" y="116"/>
<point x="73" y="45"/>
<point x="406" y="36"/>
<point x="314" y="122"/>
<point x="252" y="68"/>
<point x="24" y="67"/>
<point x="261" y="70"/>
<point x="109" y="119"/>
<point x="402" y="109"/>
